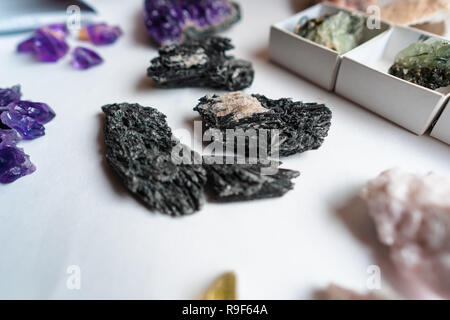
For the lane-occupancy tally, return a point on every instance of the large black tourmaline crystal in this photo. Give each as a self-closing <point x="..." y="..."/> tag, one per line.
<point x="200" y="63"/>
<point x="291" y="127"/>
<point x="246" y="181"/>
<point x="139" y="149"/>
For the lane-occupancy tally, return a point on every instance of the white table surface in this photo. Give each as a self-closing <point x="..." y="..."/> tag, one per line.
<point x="73" y="211"/>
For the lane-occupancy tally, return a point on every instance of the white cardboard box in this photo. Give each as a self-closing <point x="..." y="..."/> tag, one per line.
<point x="314" y="62"/>
<point x="363" y="78"/>
<point x="441" y="129"/>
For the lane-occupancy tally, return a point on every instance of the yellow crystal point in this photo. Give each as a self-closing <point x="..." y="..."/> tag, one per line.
<point x="223" y="288"/>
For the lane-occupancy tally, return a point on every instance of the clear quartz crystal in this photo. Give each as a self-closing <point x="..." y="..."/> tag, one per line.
<point x="412" y="216"/>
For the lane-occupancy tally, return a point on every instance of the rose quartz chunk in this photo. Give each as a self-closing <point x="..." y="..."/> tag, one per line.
<point x="412" y="216"/>
<point x="336" y="292"/>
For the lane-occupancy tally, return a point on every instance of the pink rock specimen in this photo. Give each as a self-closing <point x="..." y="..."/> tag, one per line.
<point x="412" y="216"/>
<point x="336" y="292"/>
<point x="360" y="5"/>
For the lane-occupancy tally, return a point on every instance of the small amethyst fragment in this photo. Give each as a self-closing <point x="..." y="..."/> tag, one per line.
<point x="9" y="137"/>
<point x="84" y="58"/>
<point x="28" y="127"/>
<point x="173" y="21"/>
<point x="59" y="30"/>
<point x="14" y="163"/>
<point x="39" y="111"/>
<point x="100" y="34"/>
<point x="9" y="95"/>
<point x="47" y="44"/>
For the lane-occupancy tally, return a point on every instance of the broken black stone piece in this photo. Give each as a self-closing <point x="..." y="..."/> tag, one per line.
<point x="200" y="63"/>
<point x="246" y="181"/>
<point x="139" y="149"/>
<point x="301" y="126"/>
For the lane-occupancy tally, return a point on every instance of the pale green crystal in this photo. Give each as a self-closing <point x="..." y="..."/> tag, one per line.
<point x="431" y="53"/>
<point x="341" y="32"/>
<point x="425" y="63"/>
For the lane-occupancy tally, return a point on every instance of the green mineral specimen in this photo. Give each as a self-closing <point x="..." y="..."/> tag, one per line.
<point x="340" y="32"/>
<point x="426" y="63"/>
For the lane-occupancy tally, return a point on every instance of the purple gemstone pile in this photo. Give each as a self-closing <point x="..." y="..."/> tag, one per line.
<point x="19" y="119"/>
<point x="173" y="21"/>
<point x="49" y="43"/>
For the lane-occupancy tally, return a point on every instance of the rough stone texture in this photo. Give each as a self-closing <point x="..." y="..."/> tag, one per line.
<point x="9" y="95"/>
<point x="424" y="63"/>
<point x="340" y="32"/>
<point x="408" y="12"/>
<point x="200" y="63"/>
<point x="236" y="182"/>
<point x="138" y="148"/>
<point x="412" y="217"/>
<point x="174" y="21"/>
<point x="9" y="137"/>
<point x="14" y="163"/>
<point x="302" y="126"/>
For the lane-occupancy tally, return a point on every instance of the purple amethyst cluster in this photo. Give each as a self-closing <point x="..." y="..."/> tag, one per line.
<point x="19" y="119"/>
<point x="173" y="21"/>
<point x="49" y="43"/>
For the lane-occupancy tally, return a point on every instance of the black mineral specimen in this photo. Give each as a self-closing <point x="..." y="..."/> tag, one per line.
<point x="300" y="126"/>
<point x="200" y="63"/>
<point x="139" y="147"/>
<point x="246" y="181"/>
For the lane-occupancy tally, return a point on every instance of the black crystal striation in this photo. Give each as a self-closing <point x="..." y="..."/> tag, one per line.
<point x="201" y="63"/>
<point x="301" y="126"/>
<point x="245" y="181"/>
<point x="139" y="144"/>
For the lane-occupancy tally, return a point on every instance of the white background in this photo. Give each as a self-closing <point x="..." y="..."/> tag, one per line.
<point x="73" y="211"/>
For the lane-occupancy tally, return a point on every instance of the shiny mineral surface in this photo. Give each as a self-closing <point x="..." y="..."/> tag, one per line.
<point x="39" y="111"/>
<point x="200" y="63"/>
<point x="340" y="32"/>
<point x="28" y="127"/>
<point x="424" y="63"/>
<point x="139" y="149"/>
<point x="173" y="21"/>
<point x="300" y="126"/>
